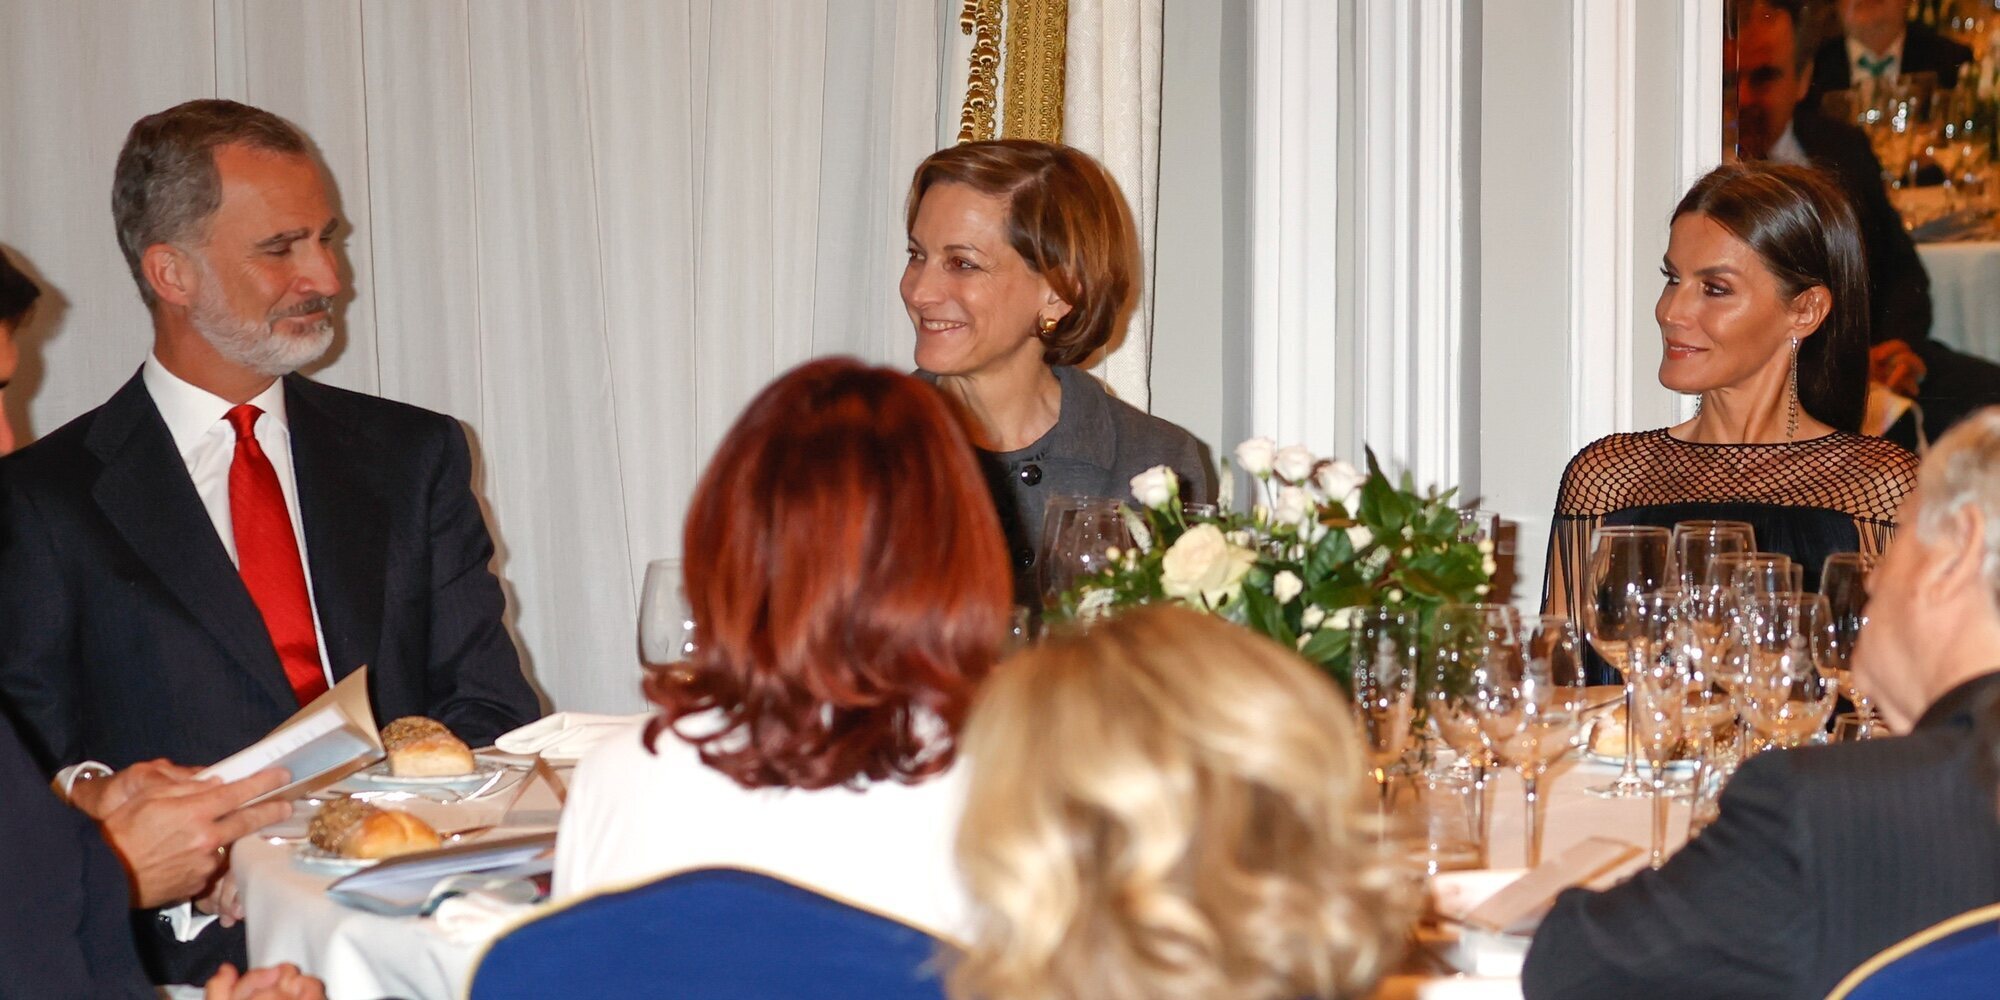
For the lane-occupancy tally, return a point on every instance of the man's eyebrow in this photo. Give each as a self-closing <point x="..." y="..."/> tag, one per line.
<point x="280" y="239"/>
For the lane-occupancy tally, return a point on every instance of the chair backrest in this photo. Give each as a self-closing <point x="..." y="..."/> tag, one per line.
<point x="713" y="933"/>
<point x="1959" y="957"/>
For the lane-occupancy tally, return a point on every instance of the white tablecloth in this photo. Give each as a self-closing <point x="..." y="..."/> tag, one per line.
<point x="1965" y="295"/>
<point x="360" y="956"/>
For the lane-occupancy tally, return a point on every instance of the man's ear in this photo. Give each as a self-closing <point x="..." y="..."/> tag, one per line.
<point x="1959" y="566"/>
<point x="171" y="273"/>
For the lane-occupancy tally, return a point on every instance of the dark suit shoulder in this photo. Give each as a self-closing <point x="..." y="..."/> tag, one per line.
<point x="373" y="410"/>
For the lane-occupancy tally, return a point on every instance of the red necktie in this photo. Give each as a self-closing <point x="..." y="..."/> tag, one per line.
<point x="267" y="554"/>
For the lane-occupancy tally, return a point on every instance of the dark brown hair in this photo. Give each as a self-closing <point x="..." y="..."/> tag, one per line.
<point x="166" y="184"/>
<point x="1065" y="217"/>
<point x="849" y="582"/>
<point x="1804" y="229"/>
<point x="17" y="291"/>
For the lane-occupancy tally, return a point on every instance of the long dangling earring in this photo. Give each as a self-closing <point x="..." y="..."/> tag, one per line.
<point x="1792" y="405"/>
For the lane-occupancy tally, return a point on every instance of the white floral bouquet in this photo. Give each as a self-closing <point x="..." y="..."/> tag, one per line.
<point x="1320" y="541"/>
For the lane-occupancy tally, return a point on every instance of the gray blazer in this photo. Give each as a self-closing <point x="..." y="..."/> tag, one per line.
<point x="1097" y="445"/>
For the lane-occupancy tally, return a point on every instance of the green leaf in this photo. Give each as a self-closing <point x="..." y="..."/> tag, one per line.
<point x="1261" y="612"/>
<point x="1328" y="555"/>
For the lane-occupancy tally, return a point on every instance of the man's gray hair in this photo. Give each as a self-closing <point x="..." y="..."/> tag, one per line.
<point x="1963" y="469"/>
<point x="166" y="185"/>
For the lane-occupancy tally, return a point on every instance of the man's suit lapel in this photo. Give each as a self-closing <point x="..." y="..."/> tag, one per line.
<point x="144" y="490"/>
<point x="346" y="525"/>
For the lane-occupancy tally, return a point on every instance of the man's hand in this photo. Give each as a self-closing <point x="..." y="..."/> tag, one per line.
<point x="171" y="834"/>
<point x="99" y="797"/>
<point x="276" y="982"/>
<point x="1895" y="365"/>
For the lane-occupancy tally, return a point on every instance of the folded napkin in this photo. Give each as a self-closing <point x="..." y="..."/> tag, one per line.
<point x="1471" y="988"/>
<point x="565" y="736"/>
<point x="477" y="917"/>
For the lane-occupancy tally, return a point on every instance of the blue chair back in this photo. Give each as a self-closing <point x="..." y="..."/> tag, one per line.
<point x="1957" y="958"/>
<point x="713" y="933"/>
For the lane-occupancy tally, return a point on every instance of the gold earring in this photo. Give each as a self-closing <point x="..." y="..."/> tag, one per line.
<point x="1048" y="325"/>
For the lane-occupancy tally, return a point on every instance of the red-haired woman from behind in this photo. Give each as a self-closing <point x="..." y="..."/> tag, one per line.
<point x="849" y="580"/>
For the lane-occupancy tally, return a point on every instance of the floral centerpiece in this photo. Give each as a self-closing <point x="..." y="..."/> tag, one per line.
<point x="1320" y="541"/>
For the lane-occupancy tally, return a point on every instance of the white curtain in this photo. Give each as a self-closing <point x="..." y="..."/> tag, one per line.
<point x="590" y="229"/>
<point x="1111" y="110"/>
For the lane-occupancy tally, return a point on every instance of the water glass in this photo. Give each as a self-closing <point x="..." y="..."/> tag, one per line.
<point x="666" y="630"/>
<point x="1625" y="562"/>
<point x="1078" y="533"/>
<point x="1382" y="649"/>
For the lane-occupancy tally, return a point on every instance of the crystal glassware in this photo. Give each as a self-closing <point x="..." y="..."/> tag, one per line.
<point x="1382" y="649"/>
<point x="1469" y="641"/>
<point x="1078" y="533"/>
<point x="1624" y="563"/>
<point x="1660" y="684"/>
<point x="1786" y="696"/>
<point x="1531" y="709"/>
<point x="666" y="632"/>
<point x="1843" y="581"/>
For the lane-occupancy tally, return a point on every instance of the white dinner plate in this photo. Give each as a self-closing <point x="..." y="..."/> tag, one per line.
<point x="377" y="776"/>
<point x="309" y="857"/>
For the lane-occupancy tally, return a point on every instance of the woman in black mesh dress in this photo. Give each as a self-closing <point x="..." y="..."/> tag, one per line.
<point x="1764" y="314"/>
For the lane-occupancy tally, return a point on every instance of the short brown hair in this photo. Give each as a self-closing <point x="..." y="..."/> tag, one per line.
<point x="166" y="184"/>
<point x="1065" y="217"/>
<point x="849" y="584"/>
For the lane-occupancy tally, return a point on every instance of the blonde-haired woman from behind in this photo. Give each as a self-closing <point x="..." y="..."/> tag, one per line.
<point x="1170" y="806"/>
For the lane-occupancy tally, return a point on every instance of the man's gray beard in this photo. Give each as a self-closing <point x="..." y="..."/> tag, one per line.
<point x="257" y="345"/>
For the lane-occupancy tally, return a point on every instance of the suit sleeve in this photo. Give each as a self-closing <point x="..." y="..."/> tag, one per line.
<point x="1729" y="904"/>
<point x="475" y="684"/>
<point x="38" y="667"/>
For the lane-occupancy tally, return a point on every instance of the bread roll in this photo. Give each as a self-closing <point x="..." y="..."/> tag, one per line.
<point x="355" y="829"/>
<point x="424" y="748"/>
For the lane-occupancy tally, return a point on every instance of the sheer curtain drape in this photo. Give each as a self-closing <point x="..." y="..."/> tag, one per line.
<point x="589" y="229"/>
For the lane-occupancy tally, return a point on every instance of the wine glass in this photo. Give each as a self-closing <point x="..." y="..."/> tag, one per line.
<point x="1478" y="525"/>
<point x="1843" y="581"/>
<point x="1469" y="639"/>
<point x="666" y="631"/>
<point x="1078" y="533"/>
<point x="1624" y="563"/>
<point x="1698" y="543"/>
<point x="1786" y="697"/>
<point x="1382" y="649"/>
<point x="1531" y="708"/>
<point x="1660" y="682"/>
<point x="1753" y="573"/>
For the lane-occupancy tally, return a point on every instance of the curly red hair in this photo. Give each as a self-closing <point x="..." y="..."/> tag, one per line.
<point x="846" y="568"/>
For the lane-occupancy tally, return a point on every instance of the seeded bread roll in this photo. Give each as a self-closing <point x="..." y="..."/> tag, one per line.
<point x="424" y="748"/>
<point x="355" y="829"/>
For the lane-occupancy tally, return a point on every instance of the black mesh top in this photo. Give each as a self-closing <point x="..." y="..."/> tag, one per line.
<point x="1806" y="499"/>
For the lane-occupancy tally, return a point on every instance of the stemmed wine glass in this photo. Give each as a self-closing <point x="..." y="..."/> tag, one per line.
<point x="1843" y="581"/>
<point x="1786" y="696"/>
<point x="1531" y="708"/>
<point x="666" y="631"/>
<point x="1383" y="650"/>
<point x="1660" y="683"/>
<point x="1078" y="533"/>
<point x="1624" y="563"/>
<point x="1697" y="544"/>
<point x="1471" y="639"/>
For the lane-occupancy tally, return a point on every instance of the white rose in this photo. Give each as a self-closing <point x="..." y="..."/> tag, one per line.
<point x="1295" y="507"/>
<point x="1256" y="455"/>
<point x="1489" y="566"/>
<point x="1338" y="480"/>
<point x="1240" y="536"/>
<point x="1344" y="618"/>
<point x="1304" y="637"/>
<point x="1294" y="463"/>
<point x="1313" y="617"/>
<point x="1286" y="585"/>
<point x="1360" y="536"/>
<point x="1201" y="566"/>
<point x="1156" y="487"/>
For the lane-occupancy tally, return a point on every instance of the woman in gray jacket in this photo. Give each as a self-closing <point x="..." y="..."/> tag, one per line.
<point x="1024" y="263"/>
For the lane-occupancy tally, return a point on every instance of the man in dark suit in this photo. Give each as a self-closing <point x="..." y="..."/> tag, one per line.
<point x="1877" y="45"/>
<point x="186" y="565"/>
<point x="67" y="935"/>
<point x="1772" y="64"/>
<point x="1822" y="857"/>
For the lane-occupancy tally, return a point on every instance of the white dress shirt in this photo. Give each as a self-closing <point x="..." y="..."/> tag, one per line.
<point x="1856" y="73"/>
<point x="197" y="420"/>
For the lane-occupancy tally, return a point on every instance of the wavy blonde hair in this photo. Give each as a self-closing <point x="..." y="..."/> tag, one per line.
<point x="1165" y="806"/>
